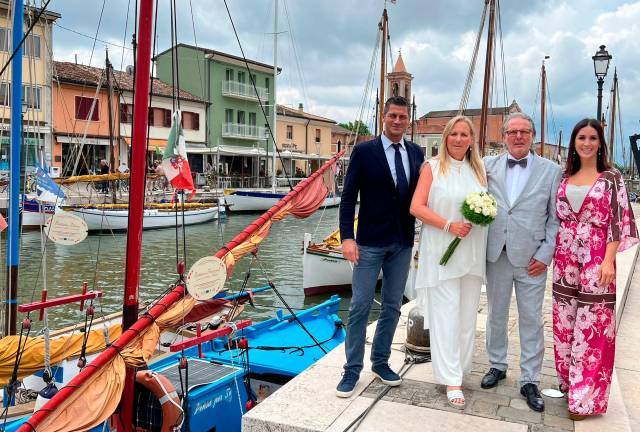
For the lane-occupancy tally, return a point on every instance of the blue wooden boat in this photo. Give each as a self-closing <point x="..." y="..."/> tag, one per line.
<point x="221" y="384"/>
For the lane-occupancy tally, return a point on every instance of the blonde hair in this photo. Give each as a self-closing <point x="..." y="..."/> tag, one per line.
<point x="472" y="155"/>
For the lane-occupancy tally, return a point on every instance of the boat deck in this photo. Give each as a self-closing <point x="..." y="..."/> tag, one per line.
<point x="308" y="402"/>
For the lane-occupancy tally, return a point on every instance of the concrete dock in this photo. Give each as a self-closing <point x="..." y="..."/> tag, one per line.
<point x="308" y="403"/>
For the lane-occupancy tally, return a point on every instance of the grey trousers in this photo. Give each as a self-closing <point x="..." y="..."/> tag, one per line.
<point x="502" y="276"/>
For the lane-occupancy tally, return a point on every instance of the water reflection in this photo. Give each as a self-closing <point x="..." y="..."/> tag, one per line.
<point x="99" y="260"/>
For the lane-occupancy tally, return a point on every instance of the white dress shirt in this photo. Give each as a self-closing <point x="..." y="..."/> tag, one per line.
<point x="517" y="177"/>
<point x="390" y="153"/>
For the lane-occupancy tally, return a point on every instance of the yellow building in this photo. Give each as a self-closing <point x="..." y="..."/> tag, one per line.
<point x="36" y="81"/>
<point x="304" y="141"/>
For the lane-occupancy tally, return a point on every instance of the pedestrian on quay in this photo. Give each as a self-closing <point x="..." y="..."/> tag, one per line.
<point x="384" y="171"/>
<point x="451" y="293"/>
<point x="596" y="222"/>
<point x="104" y="169"/>
<point x="519" y="248"/>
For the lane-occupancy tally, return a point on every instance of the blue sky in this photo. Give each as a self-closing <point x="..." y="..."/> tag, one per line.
<point x="334" y="44"/>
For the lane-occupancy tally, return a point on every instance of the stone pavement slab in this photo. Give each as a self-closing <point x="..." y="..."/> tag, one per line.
<point x="392" y="416"/>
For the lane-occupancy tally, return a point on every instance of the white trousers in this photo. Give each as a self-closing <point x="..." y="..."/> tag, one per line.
<point x="453" y="309"/>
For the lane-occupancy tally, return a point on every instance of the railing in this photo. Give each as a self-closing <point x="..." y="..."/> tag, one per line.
<point x="243" y="131"/>
<point x="244" y="91"/>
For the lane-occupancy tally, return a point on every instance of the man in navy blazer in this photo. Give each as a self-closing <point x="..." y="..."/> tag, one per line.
<point x="385" y="172"/>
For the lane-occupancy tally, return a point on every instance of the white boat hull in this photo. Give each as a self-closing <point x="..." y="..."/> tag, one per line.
<point x="326" y="271"/>
<point x="261" y="201"/>
<point x="34" y="219"/>
<point x="117" y="220"/>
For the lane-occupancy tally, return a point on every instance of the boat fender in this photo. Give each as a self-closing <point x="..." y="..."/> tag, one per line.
<point x="214" y="323"/>
<point x="44" y="395"/>
<point x="250" y="404"/>
<point x="161" y="387"/>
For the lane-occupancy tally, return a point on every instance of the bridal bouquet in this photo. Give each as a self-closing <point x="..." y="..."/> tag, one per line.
<point x="479" y="208"/>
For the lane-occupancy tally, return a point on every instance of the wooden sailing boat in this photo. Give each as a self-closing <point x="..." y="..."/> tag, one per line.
<point x="104" y="213"/>
<point x="219" y="399"/>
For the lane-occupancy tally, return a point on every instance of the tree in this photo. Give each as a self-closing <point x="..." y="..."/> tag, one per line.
<point x="357" y="126"/>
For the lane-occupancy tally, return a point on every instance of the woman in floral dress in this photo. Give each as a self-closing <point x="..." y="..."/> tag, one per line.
<point x="596" y="222"/>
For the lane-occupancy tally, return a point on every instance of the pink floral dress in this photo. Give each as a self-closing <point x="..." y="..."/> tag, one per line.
<point x="584" y="321"/>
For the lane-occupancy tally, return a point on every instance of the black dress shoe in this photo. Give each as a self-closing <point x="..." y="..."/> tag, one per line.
<point x="533" y="396"/>
<point x="491" y="378"/>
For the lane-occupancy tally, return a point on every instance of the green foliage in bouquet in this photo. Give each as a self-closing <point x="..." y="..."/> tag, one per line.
<point x="475" y="217"/>
<point x="474" y="208"/>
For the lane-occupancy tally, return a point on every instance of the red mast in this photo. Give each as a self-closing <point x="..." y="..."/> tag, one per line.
<point x="136" y="195"/>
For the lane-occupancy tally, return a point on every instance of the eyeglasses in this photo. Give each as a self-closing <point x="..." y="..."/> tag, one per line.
<point x="515" y="132"/>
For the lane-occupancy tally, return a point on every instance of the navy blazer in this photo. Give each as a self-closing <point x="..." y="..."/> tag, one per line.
<point x="383" y="218"/>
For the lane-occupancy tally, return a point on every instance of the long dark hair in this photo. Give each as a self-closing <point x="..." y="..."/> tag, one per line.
<point x="573" y="159"/>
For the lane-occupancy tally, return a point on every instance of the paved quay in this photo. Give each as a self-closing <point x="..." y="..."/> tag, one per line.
<point x="308" y="403"/>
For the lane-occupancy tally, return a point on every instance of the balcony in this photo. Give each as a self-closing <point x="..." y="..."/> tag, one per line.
<point x="244" y="91"/>
<point x="243" y="131"/>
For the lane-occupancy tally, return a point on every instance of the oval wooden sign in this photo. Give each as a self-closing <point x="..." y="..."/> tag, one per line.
<point x="66" y="229"/>
<point x="206" y="278"/>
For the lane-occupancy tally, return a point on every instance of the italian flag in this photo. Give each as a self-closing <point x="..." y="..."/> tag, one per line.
<point x="174" y="162"/>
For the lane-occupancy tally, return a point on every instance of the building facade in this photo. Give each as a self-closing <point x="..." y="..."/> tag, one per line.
<point x="238" y="141"/>
<point x="304" y="141"/>
<point x="429" y="128"/>
<point x="82" y="134"/>
<point x="36" y="87"/>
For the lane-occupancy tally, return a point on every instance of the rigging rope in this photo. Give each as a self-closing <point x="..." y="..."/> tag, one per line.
<point x="296" y="56"/>
<point x="472" y="66"/>
<point x="504" y="70"/>
<point x="293" y="314"/>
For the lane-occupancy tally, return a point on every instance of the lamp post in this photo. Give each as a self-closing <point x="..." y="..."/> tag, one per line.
<point x="600" y="66"/>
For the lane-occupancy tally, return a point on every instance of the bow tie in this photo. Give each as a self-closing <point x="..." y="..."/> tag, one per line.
<point x="512" y="162"/>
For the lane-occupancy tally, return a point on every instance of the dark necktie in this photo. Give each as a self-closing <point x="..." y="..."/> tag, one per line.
<point x="512" y="162"/>
<point x="401" y="177"/>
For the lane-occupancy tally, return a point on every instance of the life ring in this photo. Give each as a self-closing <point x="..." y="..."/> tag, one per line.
<point x="161" y="387"/>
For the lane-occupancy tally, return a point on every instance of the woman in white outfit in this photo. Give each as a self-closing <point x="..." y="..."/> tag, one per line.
<point x="450" y="293"/>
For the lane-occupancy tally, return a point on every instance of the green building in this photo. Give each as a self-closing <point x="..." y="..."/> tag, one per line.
<point x="236" y="127"/>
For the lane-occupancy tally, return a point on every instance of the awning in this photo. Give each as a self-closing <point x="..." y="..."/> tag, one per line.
<point x="197" y="148"/>
<point x="153" y="143"/>
<point x="71" y="139"/>
<point x="286" y="154"/>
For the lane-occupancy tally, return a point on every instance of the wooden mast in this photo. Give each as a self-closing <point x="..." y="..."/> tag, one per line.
<point x="112" y="148"/>
<point x="136" y="195"/>
<point x="486" y="89"/>
<point x="383" y="69"/>
<point x="612" y="118"/>
<point x="543" y="98"/>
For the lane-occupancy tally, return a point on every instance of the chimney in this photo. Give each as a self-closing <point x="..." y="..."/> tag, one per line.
<point x="300" y="107"/>
<point x="129" y="69"/>
<point x="76" y="58"/>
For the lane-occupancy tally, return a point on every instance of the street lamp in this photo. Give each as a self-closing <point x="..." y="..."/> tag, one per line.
<point x="600" y="66"/>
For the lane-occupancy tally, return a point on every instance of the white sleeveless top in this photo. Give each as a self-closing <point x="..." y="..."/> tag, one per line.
<point x="445" y="198"/>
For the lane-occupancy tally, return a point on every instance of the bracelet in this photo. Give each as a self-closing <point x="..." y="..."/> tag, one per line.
<point x="447" y="226"/>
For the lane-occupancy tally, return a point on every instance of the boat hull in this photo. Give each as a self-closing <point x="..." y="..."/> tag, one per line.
<point x="117" y="220"/>
<point x="248" y="201"/>
<point x="325" y="270"/>
<point x="32" y="213"/>
<point x="281" y="350"/>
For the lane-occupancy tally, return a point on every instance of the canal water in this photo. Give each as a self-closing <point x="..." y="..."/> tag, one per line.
<point x="100" y="260"/>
